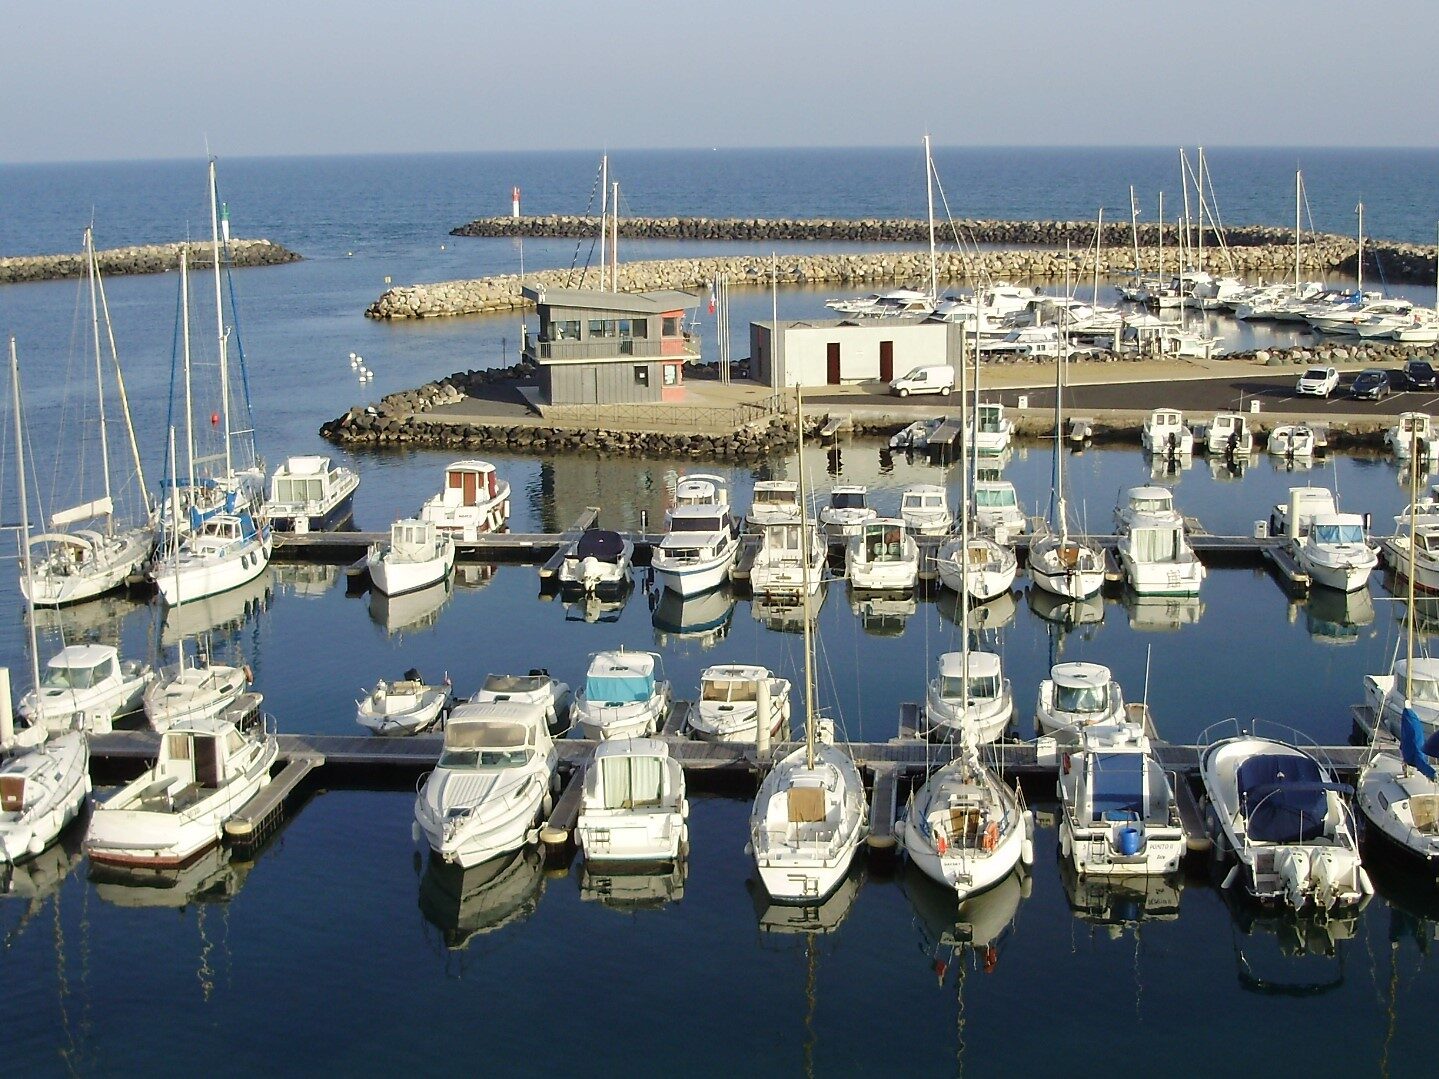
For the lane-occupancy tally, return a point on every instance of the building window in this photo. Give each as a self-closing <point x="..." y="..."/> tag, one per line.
<point x="672" y="374"/>
<point x="565" y="331"/>
<point x="672" y="325"/>
<point x="642" y="374"/>
<point x="601" y="328"/>
<point x="639" y="328"/>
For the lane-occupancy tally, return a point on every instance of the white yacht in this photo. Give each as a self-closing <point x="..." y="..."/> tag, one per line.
<point x="416" y="556"/>
<point x="997" y="509"/>
<point x="1230" y="435"/>
<point x="311" y="494"/>
<point x="1157" y="560"/>
<point x="1059" y="564"/>
<point x="924" y="510"/>
<point x="538" y="688"/>
<point x="622" y="697"/>
<point x="1277" y="809"/>
<point x="968" y="699"/>
<point x="226" y="551"/>
<point x="1336" y="552"/>
<point x="702" y="542"/>
<point x="1413" y="429"/>
<point x="86" y="687"/>
<point x="208" y="769"/>
<point x="990" y="431"/>
<point x="632" y="805"/>
<point x="1075" y="696"/>
<point x="774" y="502"/>
<point x="847" y="512"/>
<point x="1412" y="684"/>
<point x="193" y="689"/>
<point x="990" y="573"/>
<point x="1416" y="552"/>
<point x="1166" y="433"/>
<point x="599" y="561"/>
<point x="729" y="704"/>
<point x="1143" y="506"/>
<point x="905" y="302"/>
<point x="492" y="783"/>
<point x="474" y="502"/>
<point x="406" y="705"/>
<point x="1119" y="813"/>
<point x="883" y="557"/>
<point x="1292" y="440"/>
<point x="788" y="560"/>
<point x="42" y="789"/>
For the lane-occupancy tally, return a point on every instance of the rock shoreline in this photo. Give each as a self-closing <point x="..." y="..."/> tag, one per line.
<point x="142" y="259"/>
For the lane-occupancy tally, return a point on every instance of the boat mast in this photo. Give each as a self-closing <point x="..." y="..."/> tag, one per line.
<point x="1409" y="622"/>
<point x="967" y="436"/>
<point x="99" y="379"/>
<point x="220" y="320"/>
<point x="1059" y="410"/>
<point x="1184" y="239"/>
<point x="1161" y="236"/>
<point x="189" y="404"/>
<point x="1098" y="248"/>
<point x="124" y="397"/>
<point x="1359" y="259"/>
<point x="615" y="239"/>
<point x="929" y="202"/>
<point x="1199" y="187"/>
<point x="1134" y="229"/>
<point x="1298" y="196"/>
<point x="804" y="554"/>
<point x="25" y="563"/>
<point x="604" y="215"/>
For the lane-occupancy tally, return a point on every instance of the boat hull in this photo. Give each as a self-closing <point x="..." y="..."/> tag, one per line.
<point x="211" y="577"/>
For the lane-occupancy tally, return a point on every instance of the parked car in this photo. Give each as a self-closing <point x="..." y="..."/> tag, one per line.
<point x="1419" y="375"/>
<point x="1372" y="383"/>
<point x="1318" y="382"/>
<point x="932" y="378"/>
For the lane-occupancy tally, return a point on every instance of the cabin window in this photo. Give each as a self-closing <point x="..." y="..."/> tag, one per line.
<point x="179" y="745"/>
<point x="1081" y="698"/>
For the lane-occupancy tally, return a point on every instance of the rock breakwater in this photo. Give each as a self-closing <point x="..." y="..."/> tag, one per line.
<point x="143" y="259"/>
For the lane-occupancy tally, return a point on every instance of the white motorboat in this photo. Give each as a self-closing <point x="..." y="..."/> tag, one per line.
<point x="1141" y="507"/>
<point x="915" y="436"/>
<point x="539" y="688"/>
<point x="1292" y="440"/>
<point x="1293" y="518"/>
<point x="1158" y="560"/>
<point x="1412" y="684"/>
<point x="1277" y="809"/>
<point x="1229" y="435"/>
<point x="1349" y="320"/>
<point x="1119" y="812"/>
<point x="968" y="699"/>
<point x="492" y="783"/>
<point x="193" y="689"/>
<point x="406" y="705"/>
<point x="899" y="302"/>
<point x="731" y="696"/>
<point x="1075" y="696"/>
<point x="1414" y="429"/>
<point x="883" y="557"/>
<point x="997" y="510"/>
<point x="208" y="769"/>
<point x="226" y="551"/>
<point x="924" y="510"/>
<point x="311" y="494"/>
<point x="1336" y="552"/>
<point x="966" y="828"/>
<point x="774" y="502"/>
<point x="1166" y="434"/>
<point x="417" y="556"/>
<point x="42" y="789"/>
<point x="473" y="502"/>
<point x="1415" y="553"/>
<point x="86" y="687"/>
<point x="790" y="557"/>
<point x="990" y="572"/>
<point x="847" y="512"/>
<point x="622" y="697"/>
<point x="632" y="805"/>
<point x="990" y="431"/>
<point x="702" y="541"/>
<point x="1028" y="341"/>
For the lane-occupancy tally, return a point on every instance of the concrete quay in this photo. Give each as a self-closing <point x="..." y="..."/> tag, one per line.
<point x="143" y="259"/>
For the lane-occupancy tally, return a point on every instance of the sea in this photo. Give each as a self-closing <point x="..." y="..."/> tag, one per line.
<point x="339" y="945"/>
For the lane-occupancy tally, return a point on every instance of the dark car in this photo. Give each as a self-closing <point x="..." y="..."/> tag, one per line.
<point x="1419" y="375"/>
<point x="1372" y="383"/>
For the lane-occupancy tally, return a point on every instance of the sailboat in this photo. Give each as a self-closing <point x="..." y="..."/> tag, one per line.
<point x="1058" y="564"/>
<point x="68" y="566"/>
<point x="810" y="814"/>
<point x="43" y="781"/>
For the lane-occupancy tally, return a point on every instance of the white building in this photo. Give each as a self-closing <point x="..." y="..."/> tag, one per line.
<point x="833" y="352"/>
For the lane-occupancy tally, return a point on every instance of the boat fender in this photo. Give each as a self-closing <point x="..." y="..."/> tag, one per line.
<point x="1064" y="842"/>
<point x="248" y="673"/>
<point x="749" y="850"/>
<point x="1230" y="877"/>
<point x="532" y="836"/>
<point x="990" y="839"/>
<point x="37" y="844"/>
<point x="1365" y="884"/>
<point x="941" y="845"/>
<point x="1026" y="851"/>
<point x="415" y="831"/>
<point x="991" y="958"/>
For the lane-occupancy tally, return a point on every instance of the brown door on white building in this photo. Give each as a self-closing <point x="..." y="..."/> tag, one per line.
<point x="832" y="363"/>
<point x="886" y="361"/>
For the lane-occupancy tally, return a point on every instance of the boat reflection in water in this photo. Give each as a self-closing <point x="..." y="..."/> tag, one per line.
<point x="633" y="887"/>
<point x="702" y="620"/>
<point x="593" y="607"/>
<point x="996" y="614"/>
<point x="465" y="903"/>
<point x="1156" y="614"/>
<point x="1426" y="610"/>
<point x="1068" y="614"/>
<point x="224" y="610"/>
<point x="213" y="877"/>
<point x="1120" y="903"/>
<point x="474" y="575"/>
<point x="785" y="614"/>
<point x="1167" y="469"/>
<point x="883" y="614"/>
<point x="1334" y="617"/>
<point x="814" y="919"/>
<point x="1225" y="468"/>
<point x="308" y="580"/>
<point x="95" y="621"/>
<point x="35" y="879"/>
<point x="412" y="612"/>
<point x="1281" y="952"/>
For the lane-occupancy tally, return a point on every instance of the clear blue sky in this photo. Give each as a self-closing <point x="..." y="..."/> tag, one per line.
<point x="88" y="80"/>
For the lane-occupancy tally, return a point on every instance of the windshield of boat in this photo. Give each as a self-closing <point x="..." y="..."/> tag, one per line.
<point x="988" y="419"/>
<point x="728" y="689"/>
<point x="1423" y="689"/>
<point x="619" y="688"/>
<point x="484" y="758"/>
<point x="1338" y="534"/>
<point x="847" y="501"/>
<point x="981" y="686"/>
<point x="774" y="498"/>
<point x="994" y="498"/>
<point x="696" y="524"/>
<point x="1156" y="505"/>
<point x="485" y="744"/>
<point x="783" y="538"/>
<point x="74" y="677"/>
<point x="1081" y="698"/>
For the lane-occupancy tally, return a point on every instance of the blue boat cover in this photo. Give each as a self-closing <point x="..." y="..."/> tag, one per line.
<point x="619" y="688"/>
<point x="1411" y="735"/>
<point x="600" y="543"/>
<point x="1117" y="790"/>
<point x="1283" y="794"/>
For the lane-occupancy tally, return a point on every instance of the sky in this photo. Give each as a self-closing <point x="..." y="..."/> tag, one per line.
<point x="138" y="79"/>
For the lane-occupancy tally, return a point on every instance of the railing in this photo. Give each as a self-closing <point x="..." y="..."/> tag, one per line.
<point x="609" y="348"/>
<point x="699" y="419"/>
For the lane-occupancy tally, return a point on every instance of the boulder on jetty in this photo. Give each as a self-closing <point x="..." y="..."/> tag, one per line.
<point x="147" y="258"/>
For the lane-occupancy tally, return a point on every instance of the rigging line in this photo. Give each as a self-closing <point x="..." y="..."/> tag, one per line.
<point x="240" y="350"/>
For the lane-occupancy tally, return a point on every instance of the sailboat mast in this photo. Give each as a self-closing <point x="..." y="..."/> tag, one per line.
<point x="1098" y="248"/>
<point x="929" y="203"/>
<point x="25" y="563"/>
<point x="1413" y="509"/>
<point x="124" y="397"/>
<point x="1298" y="197"/>
<point x="967" y="437"/>
<point x="99" y="376"/>
<point x="1059" y="409"/>
<point x="804" y="554"/>
<point x="604" y="216"/>
<point x="615" y="239"/>
<point x="1134" y="228"/>
<point x="1359" y="259"/>
<point x="189" y="403"/>
<point x="1161" y="235"/>
<point x="220" y="320"/>
<point x="1199" y="187"/>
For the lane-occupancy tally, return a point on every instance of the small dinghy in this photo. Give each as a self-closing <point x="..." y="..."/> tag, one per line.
<point x="405" y="706"/>
<point x="633" y="806"/>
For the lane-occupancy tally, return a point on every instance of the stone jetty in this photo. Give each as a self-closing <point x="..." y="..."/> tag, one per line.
<point x="147" y="258"/>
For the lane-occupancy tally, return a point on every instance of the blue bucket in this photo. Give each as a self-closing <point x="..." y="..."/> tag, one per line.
<point x="1130" y="840"/>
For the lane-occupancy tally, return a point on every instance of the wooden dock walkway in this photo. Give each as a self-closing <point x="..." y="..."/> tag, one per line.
<point x="568" y="539"/>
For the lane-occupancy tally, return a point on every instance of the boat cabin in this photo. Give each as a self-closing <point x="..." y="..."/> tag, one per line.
<point x="961" y="814"/>
<point x="1230" y="431"/>
<point x="775" y="499"/>
<point x="1083" y="689"/>
<point x="1337" y="530"/>
<point x="197" y="757"/>
<point x="304" y="482"/>
<point x="80" y="667"/>
<point x="732" y="685"/>
<point x="986" y="680"/>
<point x="923" y="498"/>
<point x="989" y="418"/>
<point x="469" y="483"/>
<point x="849" y="498"/>
<point x="1164" y="422"/>
<point x="413" y="540"/>
<point x="630" y="773"/>
<point x="490" y="735"/>
<point x="883" y="541"/>
<point x="619" y="678"/>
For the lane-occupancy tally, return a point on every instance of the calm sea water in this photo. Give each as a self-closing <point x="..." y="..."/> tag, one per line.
<point x="339" y="946"/>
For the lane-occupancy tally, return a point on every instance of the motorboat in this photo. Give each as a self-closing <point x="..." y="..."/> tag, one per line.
<point x="42" y="789"/>
<point x="997" y="510"/>
<point x="310" y="493"/>
<point x="1166" y="434"/>
<point x="1414" y="430"/>
<point x="1158" y="560"/>
<point x="1276" y="809"/>
<point x="899" y="302"/>
<point x="1076" y="696"/>
<point x="1336" y="552"/>
<point x="417" y="556"/>
<point x="774" y="502"/>
<point x="847" y="512"/>
<point x="1119" y="812"/>
<point x="226" y="551"/>
<point x="1416" y="552"/>
<point x="1387" y="699"/>
<point x="991" y="431"/>
<point x="1229" y="435"/>
<point x="208" y="769"/>
<point x="966" y="828"/>
<point x="1292" y="440"/>
<point x="915" y="436"/>
<point x="1348" y="320"/>
<point x="492" y="783"/>
<point x="924" y="510"/>
<point x="702" y="542"/>
<point x="1398" y="793"/>
<point x="86" y="687"/>
<point x="991" y="570"/>
<point x="632" y="804"/>
<point x="623" y="697"/>
<point x="197" y="688"/>
<point x="599" y="561"/>
<point x="407" y="705"/>
<point x="731" y="695"/>
<point x="1027" y="341"/>
<point x="1145" y="506"/>
<point x="791" y="557"/>
<point x="883" y="557"/>
<point x="1293" y="519"/>
<point x="473" y="502"/>
<point x="538" y="688"/>
<point x="968" y="699"/>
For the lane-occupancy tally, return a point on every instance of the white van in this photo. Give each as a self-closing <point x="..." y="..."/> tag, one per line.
<point x="931" y="378"/>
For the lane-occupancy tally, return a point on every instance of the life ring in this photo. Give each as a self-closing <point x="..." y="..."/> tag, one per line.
<point x="248" y="673"/>
<point x="990" y="839"/>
